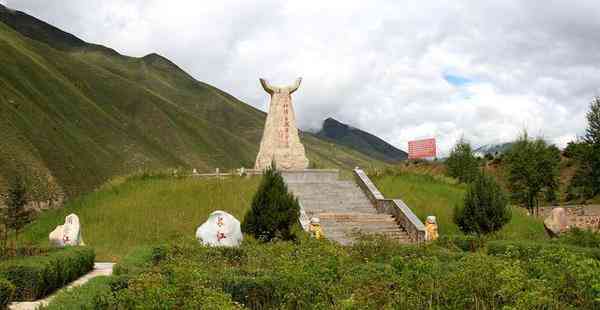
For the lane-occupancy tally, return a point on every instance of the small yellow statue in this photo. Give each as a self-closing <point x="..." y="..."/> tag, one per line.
<point x="315" y="228"/>
<point x="431" y="228"/>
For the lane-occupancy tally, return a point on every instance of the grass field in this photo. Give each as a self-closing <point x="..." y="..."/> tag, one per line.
<point x="146" y="211"/>
<point x="435" y="195"/>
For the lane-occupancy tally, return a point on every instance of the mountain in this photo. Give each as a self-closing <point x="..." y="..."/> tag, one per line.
<point x="493" y="149"/>
<point x="75" y="114"/>
<point x="361" y="141"/>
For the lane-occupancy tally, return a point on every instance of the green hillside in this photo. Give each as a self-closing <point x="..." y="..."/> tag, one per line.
<point x="76" y="114"/>
<point x="436" y="195"/>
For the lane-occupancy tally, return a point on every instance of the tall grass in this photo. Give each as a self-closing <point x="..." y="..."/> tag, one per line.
<point x="429" y="195"/>
<point x="146" y="211"/>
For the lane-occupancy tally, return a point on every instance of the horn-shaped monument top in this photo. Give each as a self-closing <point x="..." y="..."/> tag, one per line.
<point x="280" y="142"/>
<point x="275" y="89"/>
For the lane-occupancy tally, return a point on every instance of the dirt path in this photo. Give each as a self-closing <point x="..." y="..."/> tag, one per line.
<point x="100" y="269"/>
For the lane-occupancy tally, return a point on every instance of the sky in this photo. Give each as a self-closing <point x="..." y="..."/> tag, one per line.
<point x="402" y="70"/>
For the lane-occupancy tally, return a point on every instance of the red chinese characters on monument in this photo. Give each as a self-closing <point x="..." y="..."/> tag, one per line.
<point x="421" y="148"/>
<point x="284" y="132"/>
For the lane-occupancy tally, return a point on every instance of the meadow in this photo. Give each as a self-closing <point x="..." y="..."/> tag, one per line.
<point x="145" y="210"/>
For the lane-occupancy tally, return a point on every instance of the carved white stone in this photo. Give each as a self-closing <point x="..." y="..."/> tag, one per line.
<point x="280" y="141"/>
<point x="221" y="229"/>
<point x="68" y="234"/>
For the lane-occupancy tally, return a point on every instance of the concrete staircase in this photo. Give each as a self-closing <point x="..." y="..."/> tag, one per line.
<point x="342" y="207"/>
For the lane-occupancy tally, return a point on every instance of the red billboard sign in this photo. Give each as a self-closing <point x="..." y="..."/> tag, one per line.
<point x="421" y="148"/>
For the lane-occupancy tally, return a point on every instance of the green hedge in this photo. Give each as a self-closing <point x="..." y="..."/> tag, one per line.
<point x="468" y="243"/>
<point x="37" y="276"/>
<point x="98" y="293"/>
<point x="527" y="250"/>
<point x="7" y="290"/>
<point x="136" y="261"/>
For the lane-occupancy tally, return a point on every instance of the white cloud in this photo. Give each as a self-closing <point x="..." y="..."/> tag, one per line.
<point x="377" y="65"/>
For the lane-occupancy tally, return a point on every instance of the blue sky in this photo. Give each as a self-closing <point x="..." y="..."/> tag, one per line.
<point x="457" y="80"/>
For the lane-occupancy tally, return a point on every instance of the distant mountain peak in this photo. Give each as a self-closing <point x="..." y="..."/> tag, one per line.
<point x="493" y="149"/>
<point x="360" y="140"/>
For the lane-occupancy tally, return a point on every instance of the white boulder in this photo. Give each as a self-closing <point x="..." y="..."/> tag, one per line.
<point x="221" y="229"/>
<point x="68" y="234"/>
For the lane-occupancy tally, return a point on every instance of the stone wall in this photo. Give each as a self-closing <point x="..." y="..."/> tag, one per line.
<point x="396" y="207"/>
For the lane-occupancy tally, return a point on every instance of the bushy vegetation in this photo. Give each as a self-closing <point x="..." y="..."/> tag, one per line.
<point x="581" y="237"/>
<point x="37" y="276"/>
<point x="532" y="168"/>
<point x="485" y="208"/>
<point x="146" y="210"/>
<point x="462" y="164"/>
<point x="274" y="212"/>
<point x="7" y="291"/>
<point x="375" y="273"/>
<point x="98" y="293"/>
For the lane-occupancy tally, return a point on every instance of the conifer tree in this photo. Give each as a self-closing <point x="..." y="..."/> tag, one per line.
<point x="274" y="212"/>
<point x="485" y="208"/>
<point x="16" y="215"/>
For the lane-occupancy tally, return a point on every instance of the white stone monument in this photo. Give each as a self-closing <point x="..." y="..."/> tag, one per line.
<point x="280" y="141"/>
<point x="221" y="229"/>
<point x="68" y="234"/>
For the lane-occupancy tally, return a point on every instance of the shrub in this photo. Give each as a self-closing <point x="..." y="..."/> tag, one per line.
<point x="274" y="212"/>
<point x="7" y="290"/>
<point x="485" y="207"/>
<point x="373" y="273"/>
<point x="462" y="242"/>
<point x="527" y="250"/>
<point x="98" y="293"/>
<point x="35" y="277"/>
<point x="135" y="262"/>
<point x="581" y="237"/>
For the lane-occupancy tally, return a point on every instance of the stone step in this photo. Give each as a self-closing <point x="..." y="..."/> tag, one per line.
<point x="341" y="207"/>
<point x="344" y="210"/>
<point x="361" y="216"/>
<point x="366" y="229"/>
<point x="339" y="235"/>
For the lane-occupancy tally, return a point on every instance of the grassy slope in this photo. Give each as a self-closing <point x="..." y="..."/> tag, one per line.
<point x="430" y="195"/>
<point x="75" y="117"/>
<point x="146" y="211"/>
